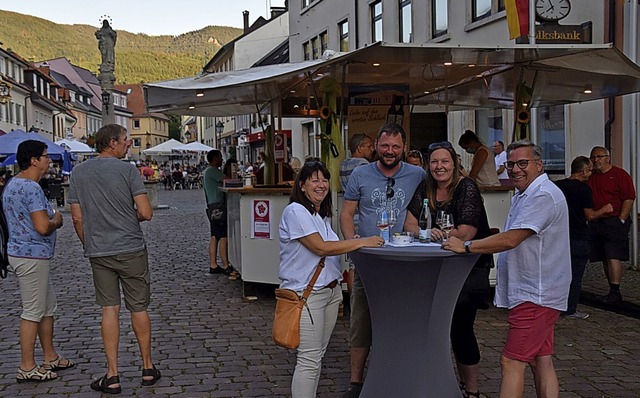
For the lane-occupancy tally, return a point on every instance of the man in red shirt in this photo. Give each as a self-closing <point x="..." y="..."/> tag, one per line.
<point x="610" y="233"/>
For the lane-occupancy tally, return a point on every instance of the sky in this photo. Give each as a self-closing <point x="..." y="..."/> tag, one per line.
<point x="153" y="17"/>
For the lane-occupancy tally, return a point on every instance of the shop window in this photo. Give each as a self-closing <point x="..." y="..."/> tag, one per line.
<point x="481" y="9"/>
<point x="439" y="18"/>
<point x="343" y="31"/>
<point x="406" y="25"/>
<point x="376" y="21"/>
<point x="551" y="138"/>
<point x="489" y="126"/>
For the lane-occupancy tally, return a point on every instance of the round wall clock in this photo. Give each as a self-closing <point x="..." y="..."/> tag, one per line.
<point x="552" y="10"/>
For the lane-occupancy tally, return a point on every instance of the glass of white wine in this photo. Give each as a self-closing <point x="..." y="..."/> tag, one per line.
<point x="439" y="216"/>
<point x="54" y="205"/>
<point x="446" y="225"/>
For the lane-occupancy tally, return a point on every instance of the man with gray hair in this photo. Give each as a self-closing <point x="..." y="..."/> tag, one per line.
<point x="610" y="233"/>
<point x="580" y="204"/>
<point x="108" y="200"/>
<point x="534" y="271"/>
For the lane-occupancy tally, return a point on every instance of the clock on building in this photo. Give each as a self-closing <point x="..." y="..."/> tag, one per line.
<point x="552" y="10"/>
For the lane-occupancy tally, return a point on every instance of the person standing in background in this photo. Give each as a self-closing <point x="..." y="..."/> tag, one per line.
<point x="32" y="225"/>
<point x="500" y="159"/>
<point x="580" y="203"/>
<point x="610" y="233"/>
<point x="483" y="170"/>
<point x="108" y="225"/>
<point x="361" y="148"/>
<point x="213" y="179"/>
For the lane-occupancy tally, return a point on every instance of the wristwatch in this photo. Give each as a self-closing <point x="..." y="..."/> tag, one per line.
<point x="467" y="246"/>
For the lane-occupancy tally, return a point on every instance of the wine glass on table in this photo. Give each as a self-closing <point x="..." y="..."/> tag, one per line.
<point x="382" y="223"/>
<point x="393" y="220"/>
<point x="446" y="225"/>
<point x="439" y="217"/>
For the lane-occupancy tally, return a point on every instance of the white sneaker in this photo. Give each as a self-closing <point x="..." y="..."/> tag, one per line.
<point x="577" y="315"/>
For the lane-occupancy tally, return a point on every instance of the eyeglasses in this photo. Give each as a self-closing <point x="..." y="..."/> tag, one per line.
<point x="598" y="157"/>
<point x="522" y="163"/>
<point x="438" y="145"/>
<point x="390" y="183"/>
<point x="313" y="163"/>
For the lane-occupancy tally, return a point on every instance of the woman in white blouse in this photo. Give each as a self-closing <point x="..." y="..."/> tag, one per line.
<point x="305" y="237"/>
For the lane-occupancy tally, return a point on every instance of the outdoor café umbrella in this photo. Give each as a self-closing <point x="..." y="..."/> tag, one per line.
<point x="10" y="141"/>
<point x="10" y="160"/>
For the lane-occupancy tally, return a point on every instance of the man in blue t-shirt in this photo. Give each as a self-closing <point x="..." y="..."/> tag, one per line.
<point x="385" y="185"/>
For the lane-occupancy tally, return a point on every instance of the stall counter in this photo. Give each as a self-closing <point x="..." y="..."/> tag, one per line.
<point x="257" y="259"/>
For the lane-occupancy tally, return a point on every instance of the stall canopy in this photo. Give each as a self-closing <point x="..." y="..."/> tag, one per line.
<point x="193" y="147"/>
<point x="477" y="77"/>
<point x="164" y="149"/>
<point x="75" y="146"/>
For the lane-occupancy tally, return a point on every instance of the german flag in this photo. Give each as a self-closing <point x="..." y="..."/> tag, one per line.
<point x="517" y="17"/>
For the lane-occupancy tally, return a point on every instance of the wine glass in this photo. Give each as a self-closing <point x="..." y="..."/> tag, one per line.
<point x="439" y="217"/>
<point x="382" y="222"/>
<point x="392" y="220"/>
<point x="446" y="225"/>
<point x="53" y="202"/>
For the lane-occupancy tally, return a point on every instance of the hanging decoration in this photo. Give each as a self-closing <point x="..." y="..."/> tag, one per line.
<point x="332" y="152"/>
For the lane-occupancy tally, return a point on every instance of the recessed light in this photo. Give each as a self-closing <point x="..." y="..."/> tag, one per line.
<point x="376" y="64"/>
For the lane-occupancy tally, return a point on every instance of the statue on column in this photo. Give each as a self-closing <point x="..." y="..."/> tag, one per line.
<point x="106" y="43"/>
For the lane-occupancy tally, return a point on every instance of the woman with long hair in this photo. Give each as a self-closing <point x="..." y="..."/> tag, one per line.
<point x="459" y="196"/>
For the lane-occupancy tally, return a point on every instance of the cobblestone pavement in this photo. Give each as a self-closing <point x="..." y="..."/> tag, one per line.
<point x="209" y="343"/>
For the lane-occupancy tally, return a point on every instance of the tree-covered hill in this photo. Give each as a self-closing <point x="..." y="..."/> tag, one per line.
<point x="139" y="57"/>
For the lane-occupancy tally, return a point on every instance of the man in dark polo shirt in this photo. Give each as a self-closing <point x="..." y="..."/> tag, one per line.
<point x="610" y="233"/>
<point x="580" y="204"/>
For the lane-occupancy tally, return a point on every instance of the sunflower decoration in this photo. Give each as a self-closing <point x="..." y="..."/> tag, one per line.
<point x="331" y="142"/>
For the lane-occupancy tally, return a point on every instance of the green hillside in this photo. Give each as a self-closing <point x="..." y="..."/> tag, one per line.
<point x="139" y="57"/>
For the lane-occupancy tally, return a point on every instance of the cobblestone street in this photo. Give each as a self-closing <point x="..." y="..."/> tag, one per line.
<point x="209" y="343"/>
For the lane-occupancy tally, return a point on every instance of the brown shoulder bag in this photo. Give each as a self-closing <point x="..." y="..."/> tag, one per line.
<point x="286" y="322"/>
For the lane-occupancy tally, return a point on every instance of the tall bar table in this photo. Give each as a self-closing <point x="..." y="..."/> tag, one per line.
<point x="412" y="292"/>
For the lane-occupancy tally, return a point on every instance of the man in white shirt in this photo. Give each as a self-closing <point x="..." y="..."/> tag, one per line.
<point x="534" y="271"/>
<point x="500" y="158"/>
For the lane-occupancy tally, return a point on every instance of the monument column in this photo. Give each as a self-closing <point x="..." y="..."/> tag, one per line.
<point x="106" y="43"/>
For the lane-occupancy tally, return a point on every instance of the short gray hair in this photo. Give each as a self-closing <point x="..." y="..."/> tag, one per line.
<point x="535" y="149"/>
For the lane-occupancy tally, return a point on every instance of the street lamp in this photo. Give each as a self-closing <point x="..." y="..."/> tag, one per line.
<point x="219" y="127"/>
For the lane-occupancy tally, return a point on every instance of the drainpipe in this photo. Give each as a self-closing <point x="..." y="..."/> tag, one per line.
<point x="633" y="160"/>
<point x="356" y="24"/>
<point x="611" y="36"/>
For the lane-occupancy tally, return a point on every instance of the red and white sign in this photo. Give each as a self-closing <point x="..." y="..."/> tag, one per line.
<point x="260" y="219"/>
<point x="280" y="144"/>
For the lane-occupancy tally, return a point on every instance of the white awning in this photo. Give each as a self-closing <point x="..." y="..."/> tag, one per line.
<point x="478" y="77"/>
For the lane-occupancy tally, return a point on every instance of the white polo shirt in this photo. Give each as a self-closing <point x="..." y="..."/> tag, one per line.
<point x="538" y="270"/>
<point x="297" y="263"/>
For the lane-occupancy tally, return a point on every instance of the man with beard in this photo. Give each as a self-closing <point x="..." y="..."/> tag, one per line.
<point x="385" y="185"/>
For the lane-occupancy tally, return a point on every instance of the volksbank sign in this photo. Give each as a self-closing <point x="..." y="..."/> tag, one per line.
<point x="564" y="34"/>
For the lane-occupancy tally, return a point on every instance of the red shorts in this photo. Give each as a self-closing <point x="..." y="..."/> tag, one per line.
<point x="530" y="332"/>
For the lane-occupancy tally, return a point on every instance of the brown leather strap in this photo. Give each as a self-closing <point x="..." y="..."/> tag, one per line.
<point x="313" y="280"/>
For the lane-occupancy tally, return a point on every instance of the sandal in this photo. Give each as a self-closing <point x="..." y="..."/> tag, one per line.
<point x="103" y="383"/>
<point x="35" y="374"/>
<point x="153" y="372"/>
<point x="59" y="363"/>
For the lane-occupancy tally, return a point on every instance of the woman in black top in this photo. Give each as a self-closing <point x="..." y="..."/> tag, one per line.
<point x="447" y="190"/>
